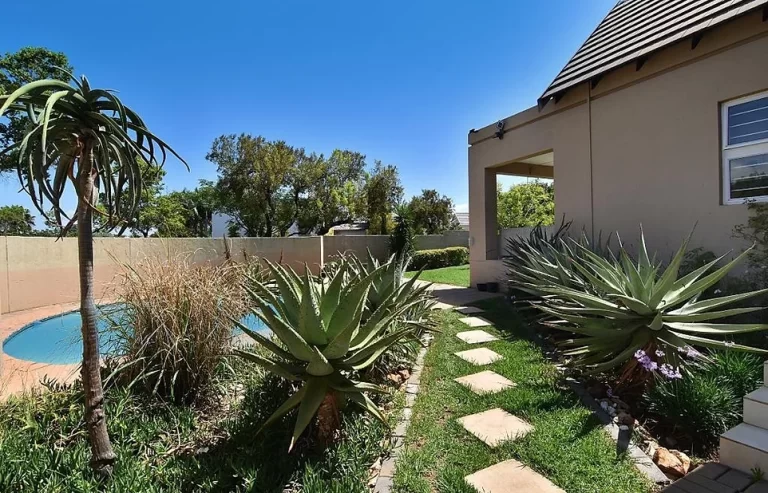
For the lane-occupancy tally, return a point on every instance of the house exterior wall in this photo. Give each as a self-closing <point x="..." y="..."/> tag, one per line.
<point x="642" y="147"/>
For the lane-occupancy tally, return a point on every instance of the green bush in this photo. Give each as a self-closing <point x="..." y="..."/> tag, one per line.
<point x="697" y="406"/>
<point x="442" y="257"/>
<point x="741" y="372"/>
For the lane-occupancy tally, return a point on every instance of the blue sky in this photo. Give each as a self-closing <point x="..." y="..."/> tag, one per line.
<point x="401" y="81"/>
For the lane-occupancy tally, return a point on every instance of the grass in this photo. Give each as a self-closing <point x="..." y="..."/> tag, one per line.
<point x="173" y="448"/>
<point x="458" y="275"/>
<point x="567" y="445"/>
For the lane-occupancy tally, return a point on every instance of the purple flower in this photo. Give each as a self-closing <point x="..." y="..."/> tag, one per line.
<point x="609" y="391"/>
<point x="645" y="360"/>
<point x="659" y="353"/>
<point x="690" y="352"/>
<point x="670" y="372"/>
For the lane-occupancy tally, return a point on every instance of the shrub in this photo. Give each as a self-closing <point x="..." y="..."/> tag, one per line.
<point x="176" y="327"/>
<point x="442" y="257"/>
<point x="620" y="311"/>
<point x="401" y="241"/>
<point x="741" y="372"/>
<point x="327" y="333"/>
<point x="698" y="405"/>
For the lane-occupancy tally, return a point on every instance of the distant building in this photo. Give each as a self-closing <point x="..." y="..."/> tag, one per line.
<point x="351" y="229"/>
<point x="463" y="218"/>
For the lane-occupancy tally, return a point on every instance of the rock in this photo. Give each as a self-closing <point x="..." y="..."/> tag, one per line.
<point x="651" y="448"/>
<point x="395" y="378"/>
<point x="405" y="374"/>
<point x="621" y="405"/>
<point x="625" y="419"/>
<point x="684" y="459"/>
<point x="670" y="463"/>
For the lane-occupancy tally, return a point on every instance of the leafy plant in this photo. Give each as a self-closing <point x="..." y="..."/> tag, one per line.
<point x="324" y="339"/>
<point x="89" y="137"/>
<point x="741" y="372"/>
<point x="699" y="406"/>
<point x="625" y="306"/>
<point x="176" y="329"/>
<point x="401" y="241"/>
<point x="440" y="257"/>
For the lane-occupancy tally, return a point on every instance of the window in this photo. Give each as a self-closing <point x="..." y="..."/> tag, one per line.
<point x="745" y="149"/>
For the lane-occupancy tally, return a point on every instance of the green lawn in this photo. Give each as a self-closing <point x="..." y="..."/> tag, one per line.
<point x="568" y="444"/>
<point x="458" y="275"/>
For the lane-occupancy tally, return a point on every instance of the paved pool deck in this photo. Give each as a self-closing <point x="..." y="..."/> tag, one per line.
<point x="17" y="375"/>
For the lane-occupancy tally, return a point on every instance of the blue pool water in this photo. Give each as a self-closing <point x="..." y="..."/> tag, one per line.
<point x="58" y="340"/>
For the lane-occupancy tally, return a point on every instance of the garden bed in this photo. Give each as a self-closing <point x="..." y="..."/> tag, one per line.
<point x="567" y="445"/>
<point x="209" y="447"/>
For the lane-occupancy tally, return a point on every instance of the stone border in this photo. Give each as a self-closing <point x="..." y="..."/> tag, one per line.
<point x="384" y="481"/>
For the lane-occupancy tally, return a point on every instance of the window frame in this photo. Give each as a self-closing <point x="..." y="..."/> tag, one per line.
<point x="736" y="151"/>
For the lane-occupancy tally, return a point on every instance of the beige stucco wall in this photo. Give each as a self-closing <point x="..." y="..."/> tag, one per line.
<point x="642" y="147"/>
<point x="38" y="271"/>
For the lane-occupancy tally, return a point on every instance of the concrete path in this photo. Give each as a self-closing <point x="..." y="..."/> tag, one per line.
<point x="717" y="478"/>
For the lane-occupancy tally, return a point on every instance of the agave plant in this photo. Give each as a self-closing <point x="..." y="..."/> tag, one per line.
<point x="325" y="337"/>
<point x="629" y="306"/>
<point x="89" y="138"/>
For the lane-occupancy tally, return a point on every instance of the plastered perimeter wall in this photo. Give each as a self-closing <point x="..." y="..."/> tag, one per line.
<point x="36" y="271"/>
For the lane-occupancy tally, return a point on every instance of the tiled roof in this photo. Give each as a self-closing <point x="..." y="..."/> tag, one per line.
<point x="635" y="28"/>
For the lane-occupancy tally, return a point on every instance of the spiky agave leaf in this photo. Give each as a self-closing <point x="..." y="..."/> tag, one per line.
<point x="633" y="304"/>
<point x="329" y="329"/>
<point x="66" y="119"/>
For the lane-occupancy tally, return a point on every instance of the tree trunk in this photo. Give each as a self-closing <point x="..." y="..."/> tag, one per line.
<point x="328" y="419"/>
<point x="103" y="457"/>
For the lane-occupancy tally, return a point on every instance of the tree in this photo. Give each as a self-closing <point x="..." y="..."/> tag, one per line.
<point x="383" y="192"/>
<point x="86" y="136"/>
<point x="402" y="240"/>
<point x="16" y="220"/>
<point x="252" y="171"/>
<point x="432" y="213"/>
<point x="526" y="205"/>
<point x="17" y="69"/>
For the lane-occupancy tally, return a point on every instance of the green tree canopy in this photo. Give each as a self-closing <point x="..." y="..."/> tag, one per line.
<point x="432" y="213"/>
<point x="19" y="68"/>
<point x="383" y="192"/>
<point x="16" y="220"/>
<point x="526" y="205"/>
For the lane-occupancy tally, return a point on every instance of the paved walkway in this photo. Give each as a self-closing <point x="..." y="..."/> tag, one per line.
<point x="493" y="426"/>
<point x="717" y="478"/>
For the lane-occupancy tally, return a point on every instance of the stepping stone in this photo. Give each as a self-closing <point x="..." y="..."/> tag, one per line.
<point x="510" y="476"/>
<point x="469" y="310"/>
<point x="480" y="356"/>
<point x="476" y="336"/>
<point x="441" y="306"/>
<point x="495" y="426"/>
<point x="475" y="321"/>
<point x="486" y="382"/>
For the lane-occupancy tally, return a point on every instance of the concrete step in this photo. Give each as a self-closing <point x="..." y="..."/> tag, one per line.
<point x="744" y="448"/>
<point x="756" y="408"/>
<point x="765" y="373"/>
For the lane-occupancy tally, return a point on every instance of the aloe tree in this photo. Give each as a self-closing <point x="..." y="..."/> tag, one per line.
<point x="88" y="138"/>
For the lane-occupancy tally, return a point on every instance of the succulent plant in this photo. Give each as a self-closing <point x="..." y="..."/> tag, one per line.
<point x="325" y="337"/>
<point x="616" y="307"/>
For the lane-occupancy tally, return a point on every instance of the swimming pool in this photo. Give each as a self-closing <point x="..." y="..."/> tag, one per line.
<point x="57" y="340"/>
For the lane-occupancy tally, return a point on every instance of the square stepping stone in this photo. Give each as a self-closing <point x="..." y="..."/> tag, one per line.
<point x="469" y="310"/>
<point x="486" y="382"/>
<point x="495" y="426"/>
<point x="480" y="356"/>
<point x="476" y="336"/>
<point x="509" y="476"/>
<point x="441" y="306"/>
<point x="475" y="321"/>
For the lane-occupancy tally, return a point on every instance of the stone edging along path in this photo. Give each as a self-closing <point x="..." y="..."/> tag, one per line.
<point x="384" y="482"/>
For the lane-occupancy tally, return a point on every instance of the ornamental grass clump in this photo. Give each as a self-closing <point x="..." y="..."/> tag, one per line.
<point x="176" y="328"/>
<point x="613" y="306"/>
<point x="326" y="333"/>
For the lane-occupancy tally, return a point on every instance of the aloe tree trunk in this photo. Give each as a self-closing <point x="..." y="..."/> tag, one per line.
<point x="102" y="455"/>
